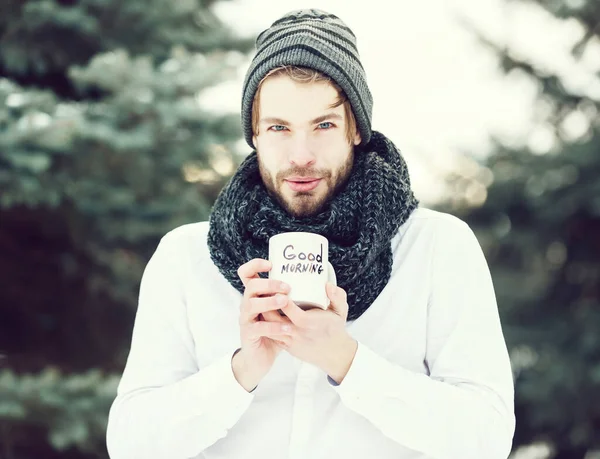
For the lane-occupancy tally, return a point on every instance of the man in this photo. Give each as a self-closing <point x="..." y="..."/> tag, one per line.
<point x="409" y="361"/>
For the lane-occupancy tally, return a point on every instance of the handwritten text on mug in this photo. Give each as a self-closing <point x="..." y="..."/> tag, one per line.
<point x="289" y="254"/>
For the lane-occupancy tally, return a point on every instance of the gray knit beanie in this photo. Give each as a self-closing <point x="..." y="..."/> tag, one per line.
<point x="318" y="40"/>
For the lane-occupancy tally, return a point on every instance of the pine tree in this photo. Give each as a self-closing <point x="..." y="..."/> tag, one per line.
<point x="104" y="147"/>
<point x="540" y="227"/>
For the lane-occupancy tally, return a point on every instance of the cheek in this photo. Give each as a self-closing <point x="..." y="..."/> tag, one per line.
<point x="269" y="165"/>
<point x="333" y="147"/>
<point x="339" y="159"/>
<point x="270" y="158"/>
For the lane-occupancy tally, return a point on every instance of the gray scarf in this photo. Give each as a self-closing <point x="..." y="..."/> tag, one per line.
<point x="359" y="221"/>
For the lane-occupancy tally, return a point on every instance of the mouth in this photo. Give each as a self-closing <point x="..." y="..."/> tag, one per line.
<point x="302" y="184"/>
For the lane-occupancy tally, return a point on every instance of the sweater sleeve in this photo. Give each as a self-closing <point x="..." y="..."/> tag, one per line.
<point x="464" y="408"/>
<point x="167" y="407"/>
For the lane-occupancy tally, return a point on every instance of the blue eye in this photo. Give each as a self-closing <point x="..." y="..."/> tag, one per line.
<point x="326" y="125"/>
<point x="278" y="128"/>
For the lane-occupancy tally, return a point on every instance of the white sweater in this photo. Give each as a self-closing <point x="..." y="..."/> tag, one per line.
<point x="431" y="377"/>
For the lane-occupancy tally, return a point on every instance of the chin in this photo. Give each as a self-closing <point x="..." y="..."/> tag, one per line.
<point x="304" y="205"/>
<point x="300" y="205"/>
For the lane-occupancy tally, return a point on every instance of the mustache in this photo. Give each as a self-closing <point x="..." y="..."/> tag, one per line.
<point x="303" y="172"/>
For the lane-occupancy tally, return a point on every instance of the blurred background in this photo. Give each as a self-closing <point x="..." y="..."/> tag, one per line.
<point x="119" y="120"/>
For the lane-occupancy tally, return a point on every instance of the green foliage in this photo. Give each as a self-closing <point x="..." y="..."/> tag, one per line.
<point x="71" y="409"/>
<point x="113" y="167"/>
<point x="47" y="37"/>
<point x="540" y="228"/>
<point x="122" y="154"/>
<point x="104" y="147"/>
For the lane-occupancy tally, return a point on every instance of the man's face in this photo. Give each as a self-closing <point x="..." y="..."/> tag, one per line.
<point x="303" y="152"/>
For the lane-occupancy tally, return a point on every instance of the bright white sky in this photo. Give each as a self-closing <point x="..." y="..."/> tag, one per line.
<point x="437" y="92"/>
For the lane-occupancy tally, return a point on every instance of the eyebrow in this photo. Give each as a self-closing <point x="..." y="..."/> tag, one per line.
<point x="320" y="119"/>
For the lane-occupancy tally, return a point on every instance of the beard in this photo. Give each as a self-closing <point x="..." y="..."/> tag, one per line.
<point x="308" y="203"/>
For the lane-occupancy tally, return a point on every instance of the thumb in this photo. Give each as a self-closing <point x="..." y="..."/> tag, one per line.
<point x="337" y="297"/>
<point x="273" y="316"/>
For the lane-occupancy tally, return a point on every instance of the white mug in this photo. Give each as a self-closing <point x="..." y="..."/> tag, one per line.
<point x="301" y="260"/>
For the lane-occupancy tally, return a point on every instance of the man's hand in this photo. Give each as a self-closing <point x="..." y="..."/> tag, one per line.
<point x="259" y="338"/>
<point x="319" y="337"/>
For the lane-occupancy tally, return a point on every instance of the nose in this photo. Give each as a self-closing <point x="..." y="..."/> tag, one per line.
<point x="301" y="154"/>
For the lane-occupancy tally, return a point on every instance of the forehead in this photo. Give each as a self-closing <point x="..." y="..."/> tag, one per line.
<point x="282" y="97"/>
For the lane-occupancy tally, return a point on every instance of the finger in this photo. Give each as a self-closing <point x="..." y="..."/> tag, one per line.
<point x="295" y="313"/>
<point x="338" y="299"/>
<point x="283" y="343"/>
<point x="258" y="287"/>
<point x="274" y="316"/>
<point x="252" y="307"/>
<point x="251" y="269"/>
<point x="274" y="330"/>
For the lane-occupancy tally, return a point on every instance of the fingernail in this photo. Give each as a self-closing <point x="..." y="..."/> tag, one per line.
<point x="284" y="286"/>
<point x="286" y="328"/>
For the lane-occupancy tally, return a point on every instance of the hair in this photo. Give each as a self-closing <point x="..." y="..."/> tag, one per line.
<point x="307" y="75"/>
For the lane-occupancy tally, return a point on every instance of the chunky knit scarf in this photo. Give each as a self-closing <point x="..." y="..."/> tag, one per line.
<point x="359" y="222"/>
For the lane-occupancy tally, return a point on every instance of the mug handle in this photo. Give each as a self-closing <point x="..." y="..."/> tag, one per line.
<point x="331" y="277"/>
<point x="331" y="274"/>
